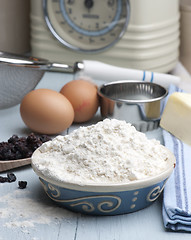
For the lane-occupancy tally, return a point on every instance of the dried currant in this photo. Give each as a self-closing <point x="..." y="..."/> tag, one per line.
<point x="11" y="177"/>
<point x="22" y="184"/>
<point x="3" y="179"/>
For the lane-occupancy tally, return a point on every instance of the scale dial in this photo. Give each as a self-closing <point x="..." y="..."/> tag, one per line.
<point x="87" y="25"/>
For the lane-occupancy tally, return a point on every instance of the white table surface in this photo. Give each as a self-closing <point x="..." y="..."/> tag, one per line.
<point x="29" y="214"/>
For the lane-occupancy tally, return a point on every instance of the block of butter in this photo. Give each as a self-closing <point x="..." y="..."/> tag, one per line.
<point x="176" y="117"/>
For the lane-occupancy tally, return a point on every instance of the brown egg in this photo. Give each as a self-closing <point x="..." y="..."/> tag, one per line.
<point x="46" y="111"/>
<point x="83" y="96"/>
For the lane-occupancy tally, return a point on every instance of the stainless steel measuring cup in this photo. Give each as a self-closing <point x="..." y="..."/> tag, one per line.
<point x="133" y="101"/>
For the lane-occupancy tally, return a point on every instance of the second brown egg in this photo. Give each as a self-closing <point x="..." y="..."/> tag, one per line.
<point x="83" y="96"/>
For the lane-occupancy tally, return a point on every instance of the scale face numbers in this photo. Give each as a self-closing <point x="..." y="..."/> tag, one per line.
<point x="87" y="25"/>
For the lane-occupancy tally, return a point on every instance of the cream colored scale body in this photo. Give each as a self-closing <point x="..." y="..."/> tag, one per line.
<point x="150" y="42"/>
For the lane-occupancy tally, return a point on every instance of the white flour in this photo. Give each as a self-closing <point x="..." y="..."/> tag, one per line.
<point x="110" y="151"/>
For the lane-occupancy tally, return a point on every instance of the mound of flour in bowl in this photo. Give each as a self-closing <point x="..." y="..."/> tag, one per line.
<point x="111" y="151"/>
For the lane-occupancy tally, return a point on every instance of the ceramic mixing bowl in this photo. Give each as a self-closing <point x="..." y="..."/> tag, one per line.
<point x="106" y="199"/>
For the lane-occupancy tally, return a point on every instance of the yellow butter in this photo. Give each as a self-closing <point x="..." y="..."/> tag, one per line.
<point x="176" y="117"/>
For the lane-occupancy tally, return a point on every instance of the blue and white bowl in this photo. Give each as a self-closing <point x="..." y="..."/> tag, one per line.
<point x="106" y="199"/>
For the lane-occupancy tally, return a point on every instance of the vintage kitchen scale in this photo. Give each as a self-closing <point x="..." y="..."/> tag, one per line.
<point x="141" y="34"/>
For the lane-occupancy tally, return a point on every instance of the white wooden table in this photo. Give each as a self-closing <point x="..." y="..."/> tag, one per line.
<point x="28" y="214"/>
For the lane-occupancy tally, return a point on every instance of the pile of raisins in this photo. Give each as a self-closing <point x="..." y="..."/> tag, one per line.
<point x="21" y="147"/>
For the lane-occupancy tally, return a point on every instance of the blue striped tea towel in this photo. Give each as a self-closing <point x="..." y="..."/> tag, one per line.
<point x="177" y="192"/>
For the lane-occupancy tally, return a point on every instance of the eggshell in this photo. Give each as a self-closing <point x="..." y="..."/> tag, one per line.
<point x="83" y="96"/>
<point x="46" y="111"/>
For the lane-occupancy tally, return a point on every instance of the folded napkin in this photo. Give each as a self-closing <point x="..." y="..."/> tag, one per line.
<point x="177" y="192"/>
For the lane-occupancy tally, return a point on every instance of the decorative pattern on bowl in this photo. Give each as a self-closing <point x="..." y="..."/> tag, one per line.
<point x="103" y="203"/>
